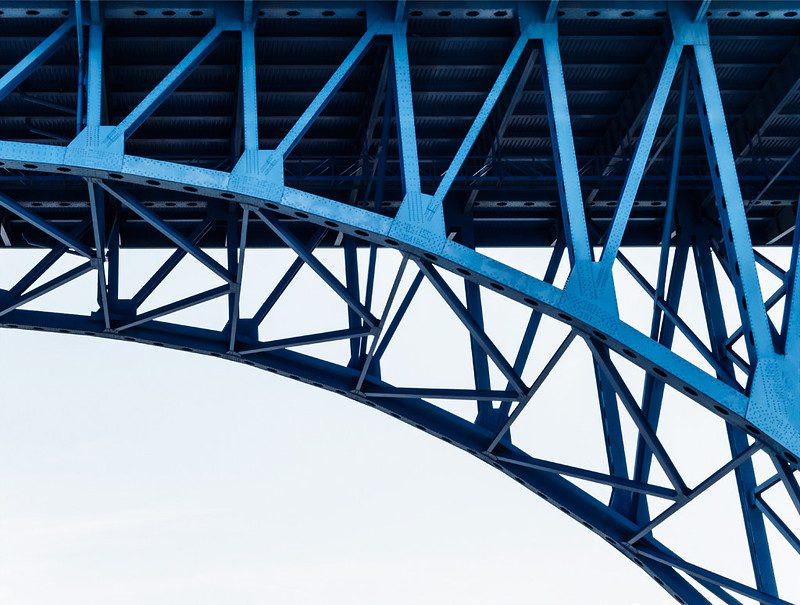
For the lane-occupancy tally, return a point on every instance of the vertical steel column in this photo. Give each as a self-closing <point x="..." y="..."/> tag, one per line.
<point x="81" y="68"/>
<point x="249" y="92"/>
<point x="566" y="162"/>
<point x="351" y="280"/>
<point x="407" y="136"/>
<point x="94" y="76"/>
<point x="487" y="415"/>
<point x="614" y="442"/>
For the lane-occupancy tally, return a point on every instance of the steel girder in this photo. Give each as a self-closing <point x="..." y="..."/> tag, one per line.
<point x="753" y="390"/>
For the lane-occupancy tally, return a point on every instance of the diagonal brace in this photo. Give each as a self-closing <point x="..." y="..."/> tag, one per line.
<point x="472" y="326"/>
<point x="128" y="200"/>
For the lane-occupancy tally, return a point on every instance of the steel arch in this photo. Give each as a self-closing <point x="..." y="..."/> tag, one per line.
<point x="759" y="411"/>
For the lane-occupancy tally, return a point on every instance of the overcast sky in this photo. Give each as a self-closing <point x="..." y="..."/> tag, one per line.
<point x="131" y="474"/>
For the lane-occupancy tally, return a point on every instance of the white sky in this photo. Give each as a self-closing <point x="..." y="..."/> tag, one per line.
<point x="133" y="474"/>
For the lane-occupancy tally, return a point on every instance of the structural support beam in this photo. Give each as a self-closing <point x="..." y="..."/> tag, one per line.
<point x="193" y="205"/>
<point x="627" y="121"/>
<point x="506" y="112"/>
<point x="475" y="330"/>
<point x="35" y="58"/>
<point x="566" y="162"/>
<point x="167" y="231"/>
<point x="407" y="135"/>
<point x="164" y="88"/>
<point x="249" y="88"/>
<point x="758" y="545"/>
<point x="639" y="161"/>
<point x="44" y="226"/>
<point x="480" y="120"/>
<point x="790" y="327"/>
<point x="730" y="204"/>
<point x="324" y="96"/>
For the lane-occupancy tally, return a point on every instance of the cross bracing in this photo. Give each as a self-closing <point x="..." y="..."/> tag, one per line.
<point x="415" y="138"/>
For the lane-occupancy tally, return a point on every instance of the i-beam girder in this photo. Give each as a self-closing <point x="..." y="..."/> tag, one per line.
<point x="760" y="411"/>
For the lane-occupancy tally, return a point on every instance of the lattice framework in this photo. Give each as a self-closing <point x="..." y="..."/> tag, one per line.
<point x="751" y="383"/>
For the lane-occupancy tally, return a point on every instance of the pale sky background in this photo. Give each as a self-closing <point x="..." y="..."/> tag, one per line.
<point x="132" y="474"/>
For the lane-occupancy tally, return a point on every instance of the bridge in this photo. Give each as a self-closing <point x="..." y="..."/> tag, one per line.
<point x="633" y="151"/>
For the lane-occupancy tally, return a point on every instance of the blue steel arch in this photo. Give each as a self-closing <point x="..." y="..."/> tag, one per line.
<point x="760" y="411"/>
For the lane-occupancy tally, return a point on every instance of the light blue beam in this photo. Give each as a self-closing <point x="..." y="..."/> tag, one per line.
<point x="407" y="136"/>
<point x="164" y="88"/>
<point x="94" y="79"/>
<point x="35" y="58"/>
<point x="566" y="162"/>
<point x="249" y="96"/>
<point x="480" y="120"/>
<point x="730" y="204"/>
<point x="639" y="162"/>
<point x="303" y="123"/>
<point x="81" y="74"/>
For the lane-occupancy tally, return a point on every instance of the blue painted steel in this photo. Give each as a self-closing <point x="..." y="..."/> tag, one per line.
<point x="653" y="389"/>
<point x="480" y="120"/>
<point x="94" y="71"/>
<point x="19" y="72"/>
<point x="54" y="232"/>
<point x="566" y="163"/>
<point x="729" y="202"/>
<point x="170" y="82"/>
<point x="322" y="98"/>
<point x="636" y="170"/>
<point x="407" y="136"/>
<point x="755" y="526"/>
<point x="249" y="86"/>
<point x="130" y="202"/>
<point x="386" y="209"/>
